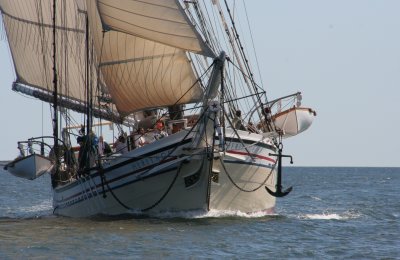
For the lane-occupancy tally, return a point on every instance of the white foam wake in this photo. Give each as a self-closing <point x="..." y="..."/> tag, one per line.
<point x="331" y="216"/>
<point x="323" y="216"/>
<point x="211" y="214"/>
<point x="43" y="206"/>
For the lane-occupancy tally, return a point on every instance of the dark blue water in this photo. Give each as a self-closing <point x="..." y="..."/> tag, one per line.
<point x="332" y="213"/>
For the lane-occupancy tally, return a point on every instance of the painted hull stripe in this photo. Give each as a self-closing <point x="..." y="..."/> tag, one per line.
<point x="253" y="155"/>
<point x="250" y="142"/>
<point x="95" y="191"/>
<point x="90" y="194"/>
<point x="249" y="163"/>
<point x="89" y="191"/>
<point x="141" y="170"/>
<point x="126" y="162"/>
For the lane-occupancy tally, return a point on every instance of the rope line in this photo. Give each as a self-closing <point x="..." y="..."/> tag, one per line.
<point x="242" y="189"/>
<point x="170" y="186"/>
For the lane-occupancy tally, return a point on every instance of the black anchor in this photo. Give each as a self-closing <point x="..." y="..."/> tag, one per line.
<point x="279" y="193"/>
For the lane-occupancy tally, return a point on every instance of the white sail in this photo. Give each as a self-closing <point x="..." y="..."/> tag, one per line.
<point x="141" y="73"/>
<point x="28" y="25"/>
<point x="162" y="21"/>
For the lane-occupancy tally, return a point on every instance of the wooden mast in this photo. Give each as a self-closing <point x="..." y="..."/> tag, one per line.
<point x="55" y="98"/>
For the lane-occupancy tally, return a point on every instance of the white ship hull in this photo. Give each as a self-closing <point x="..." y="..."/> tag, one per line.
<point x="240" y="177"/>
<point x="147" y="182"/>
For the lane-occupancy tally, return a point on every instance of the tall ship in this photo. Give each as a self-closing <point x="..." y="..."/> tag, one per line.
<point x="191" y="129"/>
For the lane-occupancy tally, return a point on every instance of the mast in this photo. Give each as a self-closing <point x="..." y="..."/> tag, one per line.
<point x="88" y="143"/>
<point x="55" y="94"/>
<point x="88" y="90"/>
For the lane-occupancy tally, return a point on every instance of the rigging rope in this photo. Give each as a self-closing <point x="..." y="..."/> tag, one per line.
<point x="169" y="187"/>
<point x="242" y="189"/>
<point x="252" y="41"/>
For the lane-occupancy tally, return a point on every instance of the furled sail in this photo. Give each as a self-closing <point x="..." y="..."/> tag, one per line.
<point x="142" y="53"/>
<point x="28" y="25"/>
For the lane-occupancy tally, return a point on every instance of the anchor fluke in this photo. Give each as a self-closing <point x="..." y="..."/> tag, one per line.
<point x="279" y="193"/>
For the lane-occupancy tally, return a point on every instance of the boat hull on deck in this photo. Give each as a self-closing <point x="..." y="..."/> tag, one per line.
<point x="294" y="121"/>
<point x="30" y="167"/>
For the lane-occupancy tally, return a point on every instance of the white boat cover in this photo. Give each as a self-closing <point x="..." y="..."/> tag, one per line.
<point x="30" y="167"/>
<point x="294" y="120"/>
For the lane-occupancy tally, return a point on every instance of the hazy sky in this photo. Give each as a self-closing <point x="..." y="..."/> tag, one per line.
<point x="343" y="55"/>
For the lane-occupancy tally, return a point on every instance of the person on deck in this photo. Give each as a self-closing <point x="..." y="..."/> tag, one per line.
<point x="88" y="148"/>
<point x="131" y="140"/>
<point x="120" y="145"/>
<point x="237" y="121"/>
<point x="268" y="119"/>
<point x="139" y="138"/>
<point x="81" y="140"/>
<point x="100" y="146"/>
<point x="103" y="147"/>
<point x="159" y="133"/>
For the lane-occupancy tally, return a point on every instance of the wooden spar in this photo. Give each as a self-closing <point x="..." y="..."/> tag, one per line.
<point x="55" y="95"/>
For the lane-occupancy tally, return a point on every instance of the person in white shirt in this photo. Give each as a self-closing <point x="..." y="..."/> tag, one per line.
<point x="100" y="146"/>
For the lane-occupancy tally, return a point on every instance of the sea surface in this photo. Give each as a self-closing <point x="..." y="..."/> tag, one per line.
<point x="332" y="213"/>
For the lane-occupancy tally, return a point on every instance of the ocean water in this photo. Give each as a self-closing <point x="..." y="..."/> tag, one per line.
<point x="332" y="213"/>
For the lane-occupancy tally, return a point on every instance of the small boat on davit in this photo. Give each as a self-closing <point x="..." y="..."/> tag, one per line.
<point x="30" y="167"/>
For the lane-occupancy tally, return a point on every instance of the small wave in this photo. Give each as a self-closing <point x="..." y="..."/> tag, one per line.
<point x="44" y="206"/>
<point x="191" y="214"/>
<point x="228" y="213"/>
<point x="43" y="209"/>
<point x="200" y="214"/>
<point x="323" y="216"/>
<point x="331" y="216"/>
